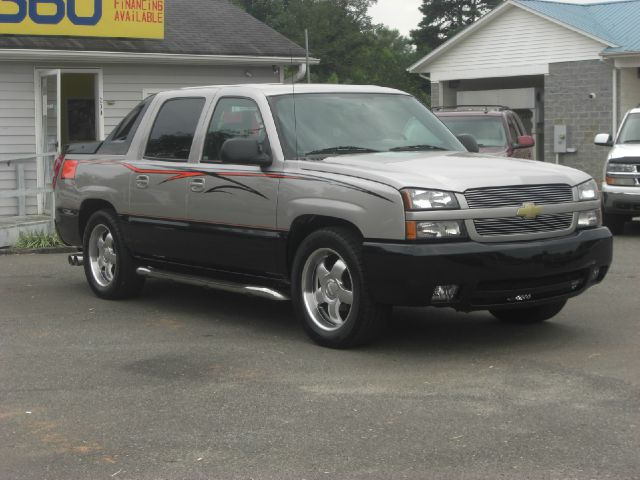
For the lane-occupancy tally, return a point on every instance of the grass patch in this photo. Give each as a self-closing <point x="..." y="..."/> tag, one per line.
<point x="38" y="240"/>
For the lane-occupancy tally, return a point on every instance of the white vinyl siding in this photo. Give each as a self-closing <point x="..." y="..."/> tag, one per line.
<point x="17" y="131"/>
<point x="124" y="84"/>
<point x="514" y="43"/>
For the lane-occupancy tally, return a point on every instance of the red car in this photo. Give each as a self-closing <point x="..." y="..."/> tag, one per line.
<point x="497" y="129"/>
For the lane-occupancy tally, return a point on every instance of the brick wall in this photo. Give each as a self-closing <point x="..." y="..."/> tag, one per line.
<point x="566" y="101"/>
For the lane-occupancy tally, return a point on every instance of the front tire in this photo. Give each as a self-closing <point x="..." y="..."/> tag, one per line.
<point x="108" y="266"/>
<point x="330" y="294"/>
<point x="526" y="315"/>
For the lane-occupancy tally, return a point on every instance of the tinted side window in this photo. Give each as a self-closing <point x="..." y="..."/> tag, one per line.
<point x="118" y="142"/>
<point x="513" y="132"/>
<point x="173" y="130"/>
<point x="232" y="118"/>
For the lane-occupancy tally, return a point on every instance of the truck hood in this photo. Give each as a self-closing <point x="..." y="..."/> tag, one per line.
<point x="625" y="150"/>
<point x="453" y="171"/>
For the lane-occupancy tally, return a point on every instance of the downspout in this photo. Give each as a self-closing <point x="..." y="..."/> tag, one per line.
<point x="302" y="71"/>
<point x="614" y="110"/>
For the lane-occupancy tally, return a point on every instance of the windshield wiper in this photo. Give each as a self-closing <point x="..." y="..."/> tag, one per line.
<point x="342" y="150"/>
<point x="409" y="148"/>
<point x="632" y="141"/>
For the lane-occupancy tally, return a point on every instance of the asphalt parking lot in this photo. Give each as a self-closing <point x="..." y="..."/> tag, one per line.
<point x="186" y="383"/>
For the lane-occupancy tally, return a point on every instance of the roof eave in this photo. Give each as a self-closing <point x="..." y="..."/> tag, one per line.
<point x="625" y="53"/>
<point x="157" y="58"/>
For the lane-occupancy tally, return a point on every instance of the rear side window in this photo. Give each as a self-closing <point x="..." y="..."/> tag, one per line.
<point x="120" y="139"/>
<point x="173" y="130"/>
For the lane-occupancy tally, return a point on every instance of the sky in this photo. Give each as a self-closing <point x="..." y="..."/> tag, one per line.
<point x="402" y="15"/>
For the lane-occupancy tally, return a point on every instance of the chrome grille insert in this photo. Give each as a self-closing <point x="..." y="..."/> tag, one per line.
<point x="516" y="195"/>
<point x="518" y="226"/>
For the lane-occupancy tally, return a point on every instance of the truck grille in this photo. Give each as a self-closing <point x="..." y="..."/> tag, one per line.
<point x="517" y="225"/>
<point x="516" y="195"/>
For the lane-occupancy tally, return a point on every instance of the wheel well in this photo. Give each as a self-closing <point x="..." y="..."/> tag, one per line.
<point x="305" y="225"/>
<point x="88" y="208"/>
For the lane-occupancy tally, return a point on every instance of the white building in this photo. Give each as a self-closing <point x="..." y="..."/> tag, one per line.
<point x="564" y="67"/>
<point x="60" y="89"/>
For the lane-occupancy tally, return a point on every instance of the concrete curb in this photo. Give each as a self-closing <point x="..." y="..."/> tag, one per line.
<point x="26" y="251"/>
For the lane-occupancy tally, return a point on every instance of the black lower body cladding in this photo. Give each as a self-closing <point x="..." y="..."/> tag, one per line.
<point x="488" y="274"/>
<point x="68" y="226"/>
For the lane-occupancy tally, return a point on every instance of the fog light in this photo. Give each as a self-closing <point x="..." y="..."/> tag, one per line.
<point x="590" y="218"/>
<point x="439" y="229"/>
<point x="444" y="293"/>
<point x="595" y="273"/>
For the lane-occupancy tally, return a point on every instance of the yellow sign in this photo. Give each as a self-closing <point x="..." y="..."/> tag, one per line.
<point x="83" y="18"/>
<point x="529" y="211"/>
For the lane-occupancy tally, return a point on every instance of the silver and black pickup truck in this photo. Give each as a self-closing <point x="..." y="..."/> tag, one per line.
<point x="345" y="199"/>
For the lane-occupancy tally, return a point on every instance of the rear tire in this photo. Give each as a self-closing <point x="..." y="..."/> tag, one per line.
<point x="330" y="293"/>
<point x="108" y="265"/>
<point x="526" y="315"/>
<point x="615" y="222"/>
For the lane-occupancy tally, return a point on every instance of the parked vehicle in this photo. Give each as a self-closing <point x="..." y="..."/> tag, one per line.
<point x="497" y="129"/>
<point x="621" y="185"/>
<point x="346" y="199"/>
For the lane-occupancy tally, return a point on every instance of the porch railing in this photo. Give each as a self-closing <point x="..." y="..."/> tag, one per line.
<point x="43" y="190"/>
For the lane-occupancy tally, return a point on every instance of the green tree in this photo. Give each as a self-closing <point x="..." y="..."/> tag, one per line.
<point x="351" y="49"/>
<point x="442" y="19"/>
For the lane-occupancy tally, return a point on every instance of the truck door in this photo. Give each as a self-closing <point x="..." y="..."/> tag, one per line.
<point x="159" y="181"/>
<point x="232" y="208"/>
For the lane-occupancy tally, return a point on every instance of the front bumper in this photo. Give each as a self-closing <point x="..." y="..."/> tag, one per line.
<point x="621" y="200"/>
<point x="489" y="275"/>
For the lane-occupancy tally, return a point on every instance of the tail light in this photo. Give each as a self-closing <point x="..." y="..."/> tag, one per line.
<point x="56" y="169"/>
<point x="69" y="170"/>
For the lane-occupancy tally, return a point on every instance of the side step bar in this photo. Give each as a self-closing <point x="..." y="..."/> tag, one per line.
<point x="253" y="290"/>
<point x="76" y="259"/>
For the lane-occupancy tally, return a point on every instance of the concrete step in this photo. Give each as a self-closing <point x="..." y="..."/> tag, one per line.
<point x="11" y="227"/>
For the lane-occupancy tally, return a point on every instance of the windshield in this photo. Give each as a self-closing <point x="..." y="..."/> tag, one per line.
<point x="488" y="131"/>
<point x="327" y="124"/>
<point x="630" y="131"/>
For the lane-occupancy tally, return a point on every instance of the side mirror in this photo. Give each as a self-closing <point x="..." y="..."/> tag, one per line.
<point x="244" y="150"/>
<point x="525" y="141"/>
<point x="469" y="142"/>
<point x="603" y="139"/>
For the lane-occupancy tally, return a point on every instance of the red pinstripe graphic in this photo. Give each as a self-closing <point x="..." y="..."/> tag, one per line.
<point x="177" y="174"/>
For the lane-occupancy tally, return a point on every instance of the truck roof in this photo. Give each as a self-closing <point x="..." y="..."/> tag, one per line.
<point x="269" y="89"/>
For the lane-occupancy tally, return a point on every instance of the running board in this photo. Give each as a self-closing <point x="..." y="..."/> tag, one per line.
<point x="253" y="290"/>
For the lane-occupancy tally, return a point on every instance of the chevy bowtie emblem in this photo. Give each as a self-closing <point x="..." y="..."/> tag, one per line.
<point x="529" y="211"/>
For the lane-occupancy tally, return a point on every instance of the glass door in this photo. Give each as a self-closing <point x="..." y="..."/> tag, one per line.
<point x="48" y="132"/>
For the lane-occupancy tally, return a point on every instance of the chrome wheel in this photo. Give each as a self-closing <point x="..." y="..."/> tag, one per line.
<point x="327" y="289"/>
<point x="102" y="255"/>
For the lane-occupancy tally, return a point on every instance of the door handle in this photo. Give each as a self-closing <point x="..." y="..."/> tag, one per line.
<point x="197" y="184"/>
<point x="142" y="181"/>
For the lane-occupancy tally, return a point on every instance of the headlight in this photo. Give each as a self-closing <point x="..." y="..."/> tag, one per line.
<point x="416" y="199"/>
<point x="588" y="190"/>
<point x="621" y="168"/>
<point x="590" y="218"/>
<point x="441" y="229"/>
